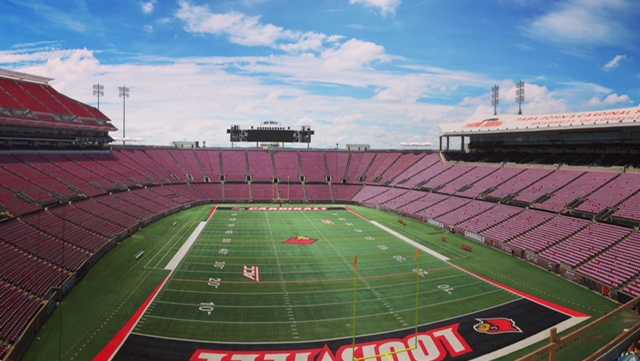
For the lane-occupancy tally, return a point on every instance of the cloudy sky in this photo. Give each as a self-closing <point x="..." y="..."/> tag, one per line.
<point x="358" y="71"/>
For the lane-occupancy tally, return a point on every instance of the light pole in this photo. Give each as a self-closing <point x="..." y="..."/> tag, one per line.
<point x="98" y="91"/>
<point x="520" y="95"/>
<point x="123" y="92"/>
<point x="495" y="98"/>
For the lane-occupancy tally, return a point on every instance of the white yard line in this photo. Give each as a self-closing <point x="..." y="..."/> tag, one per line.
<point x="285" y="293"/>
<point x="310" y="305"/>
<point x="411" y="242"/>
<point x="175" y="261"/>
<point x="290" y="264"/>
<point x="318" y="340"/>
<point x="362" y="316"/>
<point x="392" y="269"/>
<point x="335" y="290"/>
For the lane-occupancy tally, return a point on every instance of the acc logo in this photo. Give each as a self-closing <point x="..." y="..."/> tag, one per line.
<point x="252" y="273"/>
<point x="496" y="326"/>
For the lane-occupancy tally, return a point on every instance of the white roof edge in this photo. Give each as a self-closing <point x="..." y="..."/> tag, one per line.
<point x="521" y="123"/>
<point x="4" y="73"/>
<point x="540" y="129"/>
<point x="416" y="144"/>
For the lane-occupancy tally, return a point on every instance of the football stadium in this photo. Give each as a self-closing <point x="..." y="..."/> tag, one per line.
<point x="159" y="253"/>
<point x="514" y="237"/>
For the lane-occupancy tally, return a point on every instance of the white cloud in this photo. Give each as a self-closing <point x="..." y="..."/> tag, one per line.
<point x="148" y="6"/>
<point x="71" y="69"/>
<point x="249" y="30"/>
<point x="407" y="89"/>
<point x="36" y="44"/>
<point x="610" y="100"/>
<point x="578" y="93"/>
<point x="241" y="29"/>
<point x="73" y="20"/>
<point x="285" y="88"/>
<point x="353" y="54"/>
<point x="583" y="22"/>
<point x="386" y="7"/>
<point x="196" y="107"/>
<point x="310" y="41"/>
<point x="614" y="63"/>
<point x="329" y="52"/>
<point x="25" y="57"/>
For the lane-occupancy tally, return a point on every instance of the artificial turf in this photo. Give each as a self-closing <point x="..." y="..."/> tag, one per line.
<point x="311" y="285"/>
<point x="306" y="291"/>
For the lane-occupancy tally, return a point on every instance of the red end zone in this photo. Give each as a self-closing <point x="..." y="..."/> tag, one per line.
<point x="481" y="336"/>
<point x="286" y="209"/>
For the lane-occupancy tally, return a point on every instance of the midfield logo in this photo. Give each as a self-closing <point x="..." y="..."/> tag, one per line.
<point x="300" y="240"/>
<point x="252" y="273"/>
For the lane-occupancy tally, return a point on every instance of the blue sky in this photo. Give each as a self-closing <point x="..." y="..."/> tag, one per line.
<point x="359" y="71"/>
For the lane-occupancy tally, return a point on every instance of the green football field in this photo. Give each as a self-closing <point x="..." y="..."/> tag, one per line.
<point x="306" y="292"/>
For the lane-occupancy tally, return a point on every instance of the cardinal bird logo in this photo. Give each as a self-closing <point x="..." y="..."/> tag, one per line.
<point x="496" y="326"/>
<point x="300" y="240"/>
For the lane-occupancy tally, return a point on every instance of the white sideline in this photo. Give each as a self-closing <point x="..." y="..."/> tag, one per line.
<point x="175" y="261"/>
<point x="411" y="242"/>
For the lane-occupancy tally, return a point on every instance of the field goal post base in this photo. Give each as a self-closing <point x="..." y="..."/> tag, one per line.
<point x="387" y="356"/>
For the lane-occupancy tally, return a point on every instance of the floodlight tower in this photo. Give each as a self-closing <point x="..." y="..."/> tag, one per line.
<point x="98" y="91"/>
<point x="520" y="95"/>
<point x="495" y="98"/>
<point x="123" y="92"/>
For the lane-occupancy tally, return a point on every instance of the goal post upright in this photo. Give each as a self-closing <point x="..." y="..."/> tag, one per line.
<point x="354" y="307"/>
<point x="417" y="296"/>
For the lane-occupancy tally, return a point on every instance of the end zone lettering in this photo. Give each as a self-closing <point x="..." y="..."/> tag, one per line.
<point x="438" y="344"/>
<point x="286" y="209"/>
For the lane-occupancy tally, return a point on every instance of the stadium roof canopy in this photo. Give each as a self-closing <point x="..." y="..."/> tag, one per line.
<point x="546" y="122"/>
<point x="4" y="73"/>
<point x="33" y="113"/>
